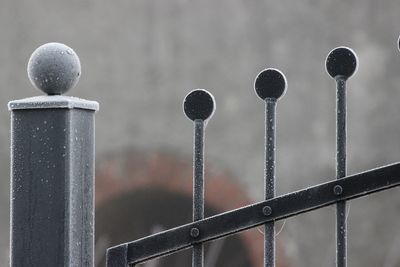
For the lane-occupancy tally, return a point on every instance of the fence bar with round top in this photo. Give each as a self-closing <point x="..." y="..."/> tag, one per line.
<point x="270" y="85"/>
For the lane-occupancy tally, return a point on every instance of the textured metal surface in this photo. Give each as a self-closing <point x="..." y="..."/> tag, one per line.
<point x="269" y="183"/>
<point x="56" y="101"/>
<point x="244" y="218"/>
<point x="118" y="257"/>
<point x="54" y="68"/>
<point x="341" y="64"/>
<point x="198" y="106"/>
<point x="52" y="177"/>
<point x="198" y="189"/>
<point x="269" y="85"/>
<point x="341" y="225"/>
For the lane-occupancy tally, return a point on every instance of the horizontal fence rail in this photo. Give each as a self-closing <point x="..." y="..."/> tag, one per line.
<point x="234" y="221"/>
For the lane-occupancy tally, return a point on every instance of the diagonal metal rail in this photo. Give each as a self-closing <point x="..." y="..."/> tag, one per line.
<point x="234" y="221"/>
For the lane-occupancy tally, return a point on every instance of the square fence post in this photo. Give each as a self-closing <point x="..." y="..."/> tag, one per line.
<point x="52" y="181"/>
<point x="52" y="171"/>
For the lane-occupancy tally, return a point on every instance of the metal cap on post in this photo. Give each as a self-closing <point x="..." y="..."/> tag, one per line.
<point x="52" y="166"/>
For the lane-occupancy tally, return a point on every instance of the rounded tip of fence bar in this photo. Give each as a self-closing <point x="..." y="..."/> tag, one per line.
<point x="341" y="62"/>
<point x="199" y="104"/>
<point x="54" y="68"/>
<point x="270" y="83"/>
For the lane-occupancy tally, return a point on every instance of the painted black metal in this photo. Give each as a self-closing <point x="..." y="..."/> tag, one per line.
<point x="52" y="196"/>
<point x="269" y="85"/>
<point x="341" y="64"/>
<point x="341" y="61"/>
<point x="269" y="179"/>
<point x="52" y="166"/>
<point x="341" y="223"/>
<point x="234" y="221"/>
<point x="198" y="190"/>
<point x="199" y="105"/>
<point x="118" y="256"/>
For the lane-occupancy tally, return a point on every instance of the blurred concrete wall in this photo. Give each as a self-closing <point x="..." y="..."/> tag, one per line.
<point x="140" y="58"/>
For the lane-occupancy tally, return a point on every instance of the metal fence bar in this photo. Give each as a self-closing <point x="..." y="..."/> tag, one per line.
<point x="341" y="64"/>
<point x="269" y="85"/>
<point x="341" y="225"/>
<point x="231" y="222"/>
<point x="269" y="182"/>
<point x="198" y="106"/>
<point x="198" y="189"/>
<point x="52" y="167"/>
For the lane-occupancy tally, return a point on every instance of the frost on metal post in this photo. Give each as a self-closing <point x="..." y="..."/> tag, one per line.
<point x="270" y="85"/>
<point x="341" y="64"/>
<point x="198" y="106"/>
<point x="52" y="166"/>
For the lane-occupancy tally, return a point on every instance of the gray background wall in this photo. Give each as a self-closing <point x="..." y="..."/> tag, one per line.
<point x="139" y="59"/>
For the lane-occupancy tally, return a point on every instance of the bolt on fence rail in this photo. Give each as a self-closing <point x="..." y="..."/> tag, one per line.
<point x="270" y="85"/>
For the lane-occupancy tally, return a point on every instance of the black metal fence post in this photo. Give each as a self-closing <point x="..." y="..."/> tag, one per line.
<point x="269" y="85"/>
<point x="52" y="166"/>
<point x="341" y="64"/>
<point x="198" y="106"/>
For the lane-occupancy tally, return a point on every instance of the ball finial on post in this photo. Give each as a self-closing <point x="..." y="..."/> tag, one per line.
<point x="199" y="104"/>
<point x="54" y="68"/>
<point x="270" y="83"/>
<point x="341" y="62"/>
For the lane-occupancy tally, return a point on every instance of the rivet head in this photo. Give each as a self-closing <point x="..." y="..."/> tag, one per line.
<point x="199" y="104"/>
<point x="267" y="210"/>
<point x="337" y="190"/>
<point x="54" y="68"/>
<point x="194" y="232"/>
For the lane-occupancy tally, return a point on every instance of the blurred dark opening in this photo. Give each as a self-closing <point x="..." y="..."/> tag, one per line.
<point x="146" y="211"/>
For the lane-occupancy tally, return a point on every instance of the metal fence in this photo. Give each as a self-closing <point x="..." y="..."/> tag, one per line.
<point x="52" y="163"/>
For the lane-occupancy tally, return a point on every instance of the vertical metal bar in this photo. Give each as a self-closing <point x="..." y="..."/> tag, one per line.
<point x="198" y="187"/>
<point x="341" y="225"/>
<point x="341" y="64"/>
<point x="269" y="178"/>
<point x="198" y="106"/>
<point x="270" y="85"/>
